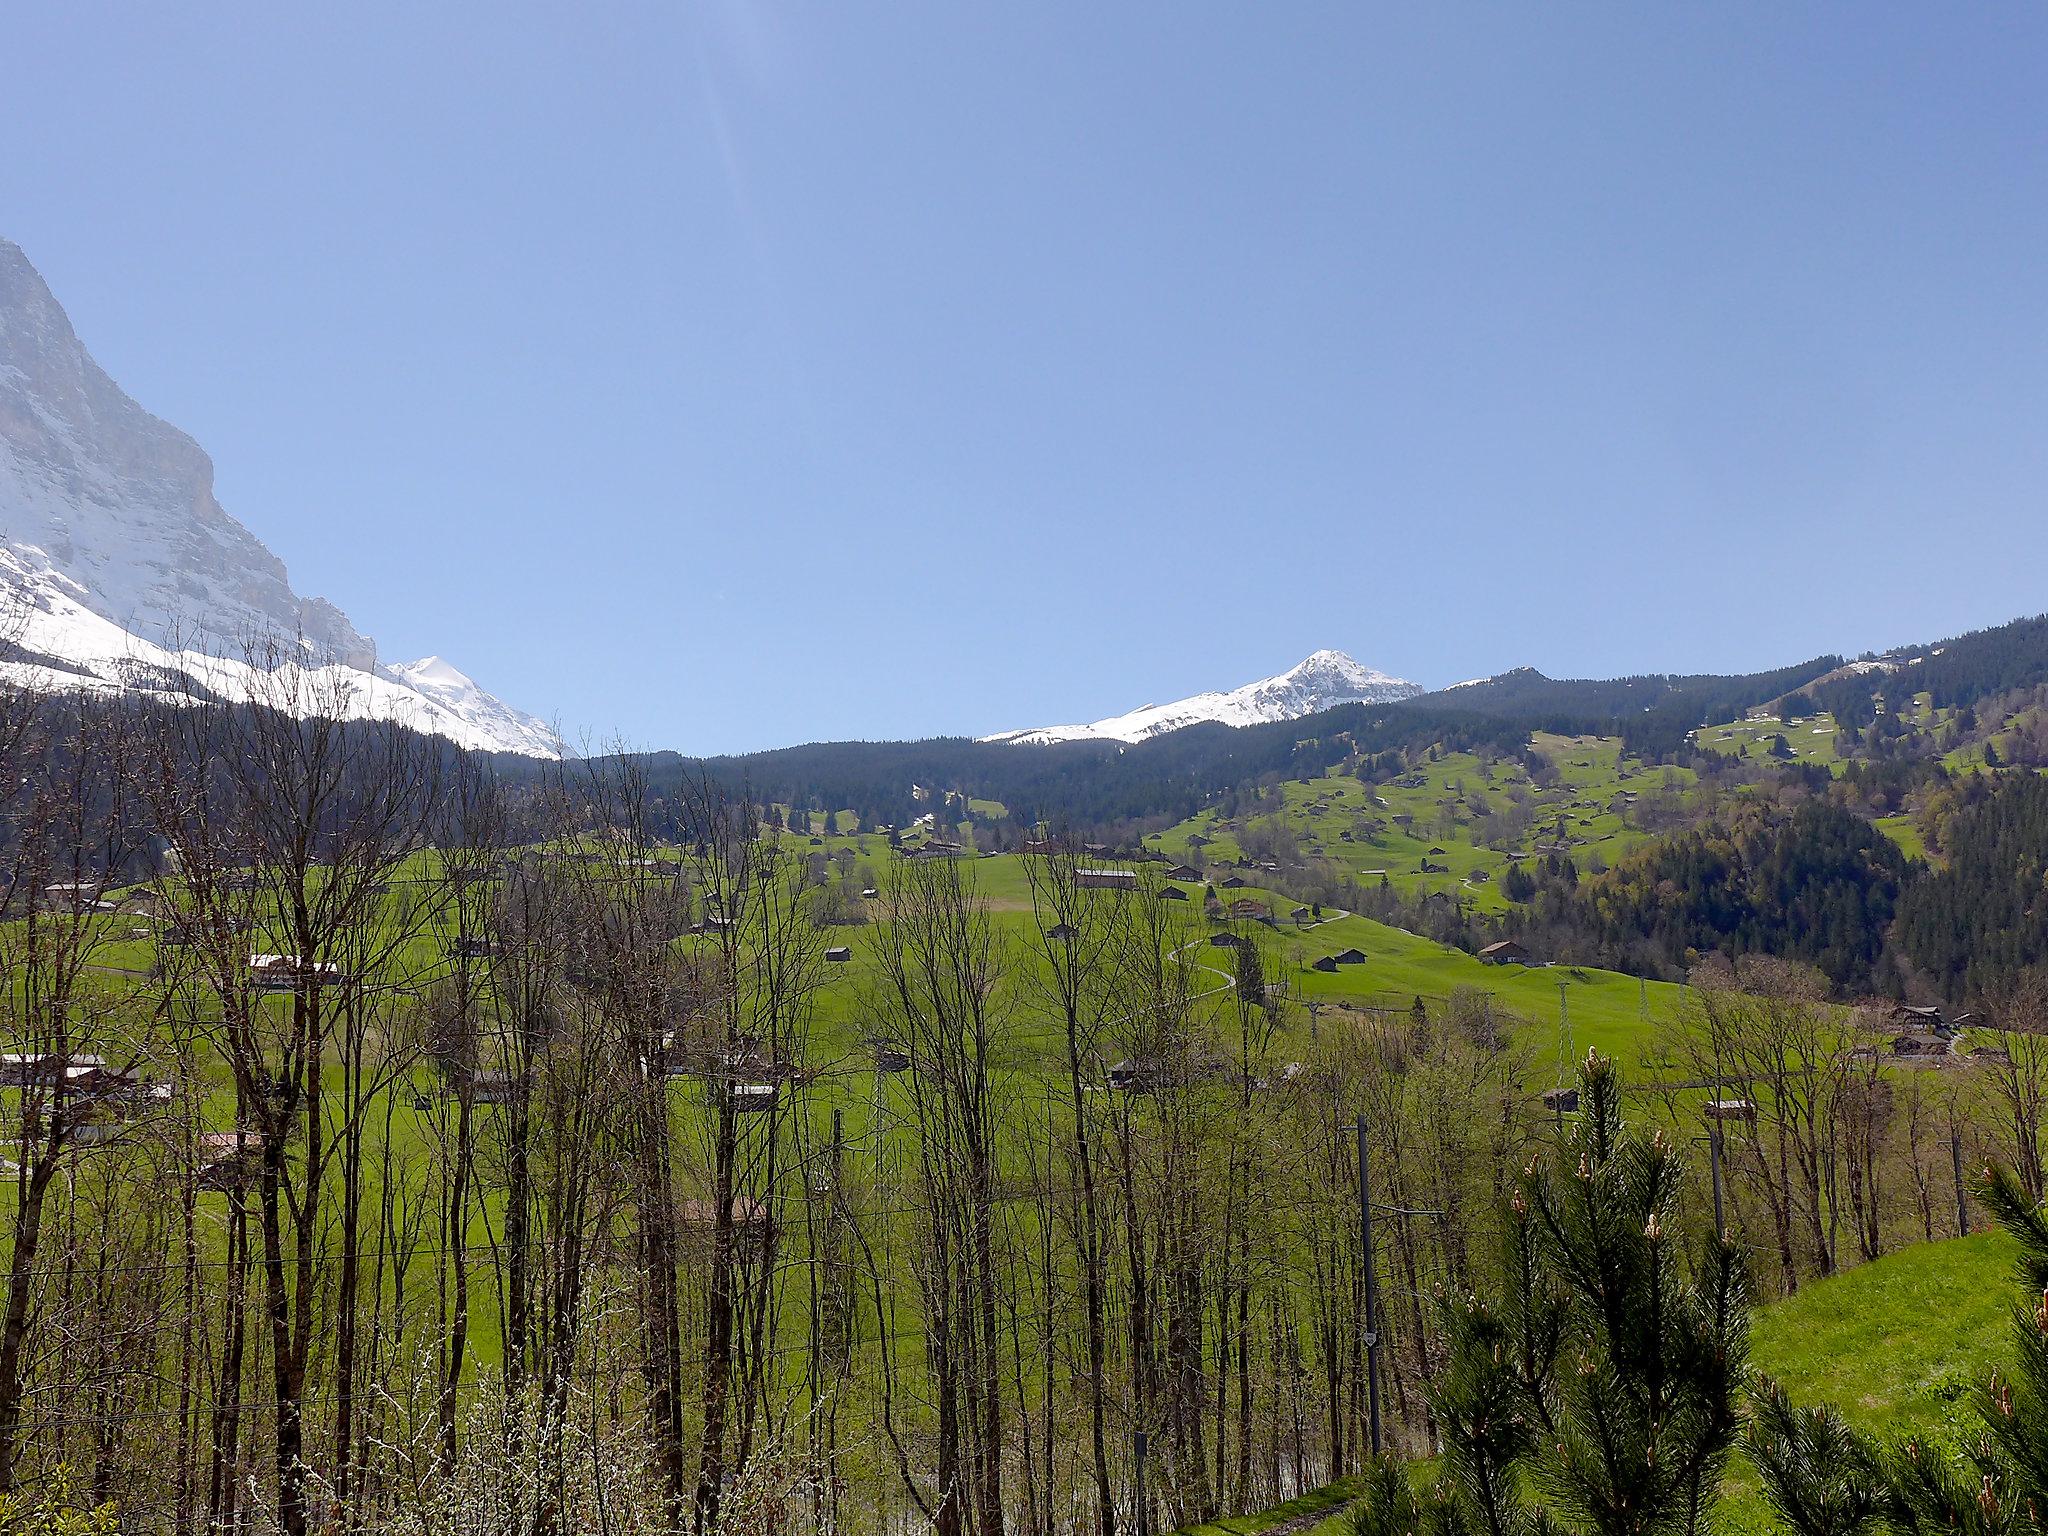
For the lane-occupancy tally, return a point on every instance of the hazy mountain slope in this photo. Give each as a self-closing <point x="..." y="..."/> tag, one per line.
<point x="107" y="513"/>
<point x="1322" y="681"/>
<point x="50" y="641"/>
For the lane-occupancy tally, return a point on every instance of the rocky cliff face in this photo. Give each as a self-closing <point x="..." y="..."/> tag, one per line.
<point x="108" y="513"/>
<point x="123" y="503"/>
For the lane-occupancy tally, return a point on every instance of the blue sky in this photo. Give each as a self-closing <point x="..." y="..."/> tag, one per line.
<point x="734" y="374"/>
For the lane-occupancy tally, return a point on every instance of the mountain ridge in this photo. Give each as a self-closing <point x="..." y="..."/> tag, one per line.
<point x="1320" y="681"/>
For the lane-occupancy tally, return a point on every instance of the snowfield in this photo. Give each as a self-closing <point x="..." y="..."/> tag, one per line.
<point x="1322" y="681"/>
<point x="62" y="646"/>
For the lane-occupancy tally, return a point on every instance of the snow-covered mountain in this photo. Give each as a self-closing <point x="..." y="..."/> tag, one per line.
<point x="121" y="571"/>
<point x="1322" y="681"/>
<point x="485" y="714"/>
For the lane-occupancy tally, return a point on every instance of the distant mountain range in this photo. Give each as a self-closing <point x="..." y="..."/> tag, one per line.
<point x="120" y="572"/>
<point x="1321" y="681"/>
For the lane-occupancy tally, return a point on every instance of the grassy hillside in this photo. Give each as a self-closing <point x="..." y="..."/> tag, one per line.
<point x="1452" y="824"/>
<point x="1810" y="740"/>
<point x="1896" y="1345"/>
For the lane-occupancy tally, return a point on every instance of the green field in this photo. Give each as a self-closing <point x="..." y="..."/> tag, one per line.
<point x="1897" y="1345"/>
<point x="1810" y="740"/>
<point x="1452" y="824"/>
<point x="1614" y="1013"/>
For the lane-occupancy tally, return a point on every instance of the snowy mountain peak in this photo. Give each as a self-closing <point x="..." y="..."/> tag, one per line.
<point x="511" y="730"/>
<point x="1320" y="681"/>
<point x="114" y="549"/>
<point x="433" y="672"/>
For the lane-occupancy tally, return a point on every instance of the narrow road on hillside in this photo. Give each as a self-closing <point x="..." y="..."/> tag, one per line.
<point x="1229" y="981"/>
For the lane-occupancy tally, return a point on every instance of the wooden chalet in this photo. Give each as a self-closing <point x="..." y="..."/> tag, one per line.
<point x="226" y="1160"/>
<point x="1106" y="879"/>
<point x="751" y="1221"/>
<point x="1506" y="952"/>
<point x="288" y="973"/>
<point x="1172" y="893"/>
<point x="1929" y="1020"/>
<point x="20" y="1069"/>
<point x="839" y="954"/>
<point x="1349" y="957"/>
<point x="1135" y="1077"/>
<point x="484" y="1085"/>
<point x="76" y="896"/>
<point x="752" y="1098"/>
<point x="1184" y="872"/>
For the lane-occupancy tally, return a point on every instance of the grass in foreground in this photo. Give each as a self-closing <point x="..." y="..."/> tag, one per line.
<point x="1897" y="1345"/>
<point x="1328" y="1501"/>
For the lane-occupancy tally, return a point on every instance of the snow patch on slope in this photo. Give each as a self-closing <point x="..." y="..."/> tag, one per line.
<point x="455" y="693"/>
<point x="1321" y="681"/>
<point x="55" y="644"/>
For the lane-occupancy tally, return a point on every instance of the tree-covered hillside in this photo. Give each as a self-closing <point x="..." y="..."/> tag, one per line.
<point x="1981" y="918"/>
<point x="1818" y="885"/>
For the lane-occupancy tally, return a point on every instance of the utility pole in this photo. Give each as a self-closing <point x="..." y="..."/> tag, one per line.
<point x="1138" y="1446"/>
<point x="1372" y="1311"/>
<point x="1955" y="1152"/>
<point x="1714" y="1146"/>
<point x="1564" y="1031"/>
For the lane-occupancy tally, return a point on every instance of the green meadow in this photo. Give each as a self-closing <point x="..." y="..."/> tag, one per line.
<point x="1453" y="824"/>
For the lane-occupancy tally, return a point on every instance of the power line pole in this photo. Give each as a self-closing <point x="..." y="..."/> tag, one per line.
<point x="1955" y="1152"/>
<point x="1564" y="1033"/>
<point x="1372" y="1311"/>
<point x="1138" y="1447"/>
<point x="1714" y="1147"/>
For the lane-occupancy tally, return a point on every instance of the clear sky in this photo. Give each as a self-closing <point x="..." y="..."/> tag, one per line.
<point x="725" y="375"/>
